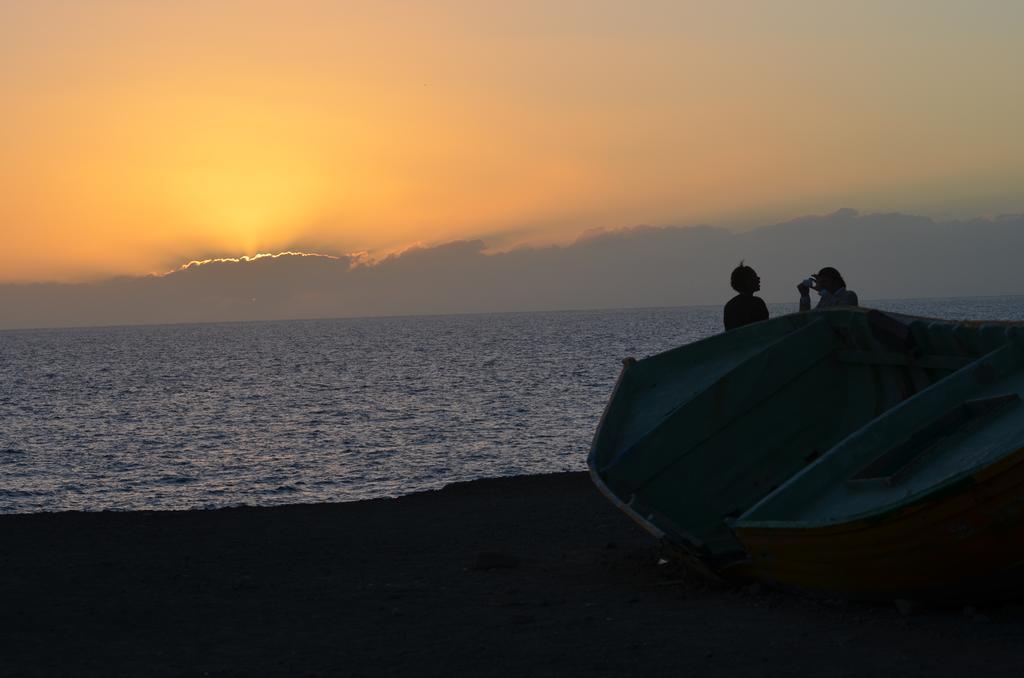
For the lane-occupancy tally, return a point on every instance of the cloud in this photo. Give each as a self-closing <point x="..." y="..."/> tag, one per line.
<point x="247" y="259"/>
<point x="880" y="255"/>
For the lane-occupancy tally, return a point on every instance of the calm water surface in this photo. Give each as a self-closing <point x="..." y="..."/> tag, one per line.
<point x="202" y="416"/>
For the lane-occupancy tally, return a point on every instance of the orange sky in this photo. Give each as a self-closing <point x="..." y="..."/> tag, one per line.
<point x="139" y="135"/>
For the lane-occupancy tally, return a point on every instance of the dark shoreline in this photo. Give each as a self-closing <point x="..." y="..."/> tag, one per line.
<point x="533" y="575"/>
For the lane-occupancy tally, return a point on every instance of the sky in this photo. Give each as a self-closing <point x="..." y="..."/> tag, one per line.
<point x="137" y="136"/>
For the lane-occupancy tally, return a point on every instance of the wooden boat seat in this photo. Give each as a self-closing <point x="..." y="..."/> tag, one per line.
<point x="895" y="464"/>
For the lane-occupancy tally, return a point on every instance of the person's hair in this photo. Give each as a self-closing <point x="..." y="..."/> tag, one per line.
<point x="833" y="273"/>
<point x="742" y="278"/>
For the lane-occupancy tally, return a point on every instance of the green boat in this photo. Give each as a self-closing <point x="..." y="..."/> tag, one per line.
<point x="843" y="451"/>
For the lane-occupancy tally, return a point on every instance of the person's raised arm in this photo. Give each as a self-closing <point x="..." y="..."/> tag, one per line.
<point x="805" y="294"/>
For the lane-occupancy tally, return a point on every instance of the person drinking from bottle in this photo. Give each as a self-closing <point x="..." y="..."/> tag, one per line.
<point x="832" y="288"/>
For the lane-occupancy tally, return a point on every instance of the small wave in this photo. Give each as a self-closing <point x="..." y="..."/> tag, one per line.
<point x="175" y="480"/>
<point x="12" y="494"/>
<point x="284" y="489"/>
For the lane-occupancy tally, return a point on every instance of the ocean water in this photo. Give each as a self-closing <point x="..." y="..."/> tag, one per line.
<point x="204" y="416"/>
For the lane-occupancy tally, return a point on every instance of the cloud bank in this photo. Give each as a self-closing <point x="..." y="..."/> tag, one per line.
<point x="880" y="255"/>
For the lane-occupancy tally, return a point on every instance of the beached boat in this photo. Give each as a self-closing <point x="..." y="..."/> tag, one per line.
<point x="843" y="451"/>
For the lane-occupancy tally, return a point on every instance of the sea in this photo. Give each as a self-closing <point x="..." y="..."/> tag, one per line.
<point x="176" y="417"/>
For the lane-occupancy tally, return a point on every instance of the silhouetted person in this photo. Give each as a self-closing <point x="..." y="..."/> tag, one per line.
<point x="744" y="308"/>
<point x="832" y="288"/>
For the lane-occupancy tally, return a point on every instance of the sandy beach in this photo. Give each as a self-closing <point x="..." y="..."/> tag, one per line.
<point x="535" y="575"/>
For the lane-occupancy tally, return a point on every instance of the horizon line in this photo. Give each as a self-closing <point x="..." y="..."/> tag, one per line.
<point x="481" y="313"/>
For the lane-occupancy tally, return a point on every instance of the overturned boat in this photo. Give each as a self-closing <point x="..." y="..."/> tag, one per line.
<point x="844" y="451"/>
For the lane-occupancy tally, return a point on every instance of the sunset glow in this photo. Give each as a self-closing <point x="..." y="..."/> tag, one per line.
<point x="137" y="136"/>
<point x="244" y="258"/>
